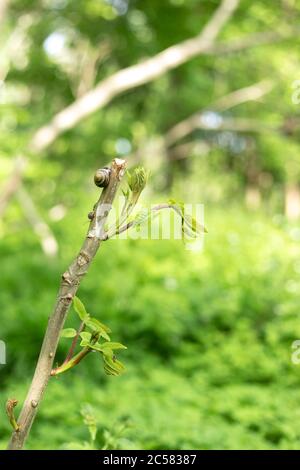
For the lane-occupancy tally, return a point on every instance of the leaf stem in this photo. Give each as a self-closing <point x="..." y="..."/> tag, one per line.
<point x="72" y="362"/>
<point x="132" y="223"/>
<point x="156" y="208"/>
<point x="74" y="342"/>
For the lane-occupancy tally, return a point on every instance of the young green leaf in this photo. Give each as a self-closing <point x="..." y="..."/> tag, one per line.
<point x="111" y="345"/>
<point x="96" y="326"/>
<point x="179" y="205"/>
<point x="187" y="220"/>
<point x="86" y="338"/>
<point x="126" y="193"/>
<point x="80" y="309"/>
<point x="187" y="232"/>
<point x="96" y="347"/>
<point x="142" y="216"/>
<point x="99" y="324"/>
<point x="192" y="223"/>
<point x="104" y="335"/>
<point x="111" y="365"/>
<point x="137" y="180"/>
<point x="68" y="333"/>
<point x="109" y="370"/>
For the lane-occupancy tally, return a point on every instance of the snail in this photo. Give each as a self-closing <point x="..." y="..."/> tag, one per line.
<point x="101" y="177"/>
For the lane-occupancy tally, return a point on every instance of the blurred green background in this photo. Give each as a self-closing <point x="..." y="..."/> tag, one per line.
<point x="209" y="334"/>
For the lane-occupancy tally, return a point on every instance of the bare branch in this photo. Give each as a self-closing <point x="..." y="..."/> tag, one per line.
<point x="88" y="64"/>
<point x="12" y="183"/>
<point x="182" y="151"/>
<point x="185" y="127"/>
<point x="248" y="42"/>
<point x="43" y="231"/>
<point x="236" y="124"/>
<point x="199" y="121"/>
<point x="247" y="125"/>
<point x="239" y="125"/>
<point x="71" y="280"/>
<point x="237" y="97"/>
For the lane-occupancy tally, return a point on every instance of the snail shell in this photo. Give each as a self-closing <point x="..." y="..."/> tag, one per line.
<point x="101" y="177"/>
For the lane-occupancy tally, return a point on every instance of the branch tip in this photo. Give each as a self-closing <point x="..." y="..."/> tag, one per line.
<point x="10" y="405"/>
<point x="119" y="166"/>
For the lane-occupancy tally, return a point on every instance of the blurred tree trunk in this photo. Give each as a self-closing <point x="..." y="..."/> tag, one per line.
<point x="252" y="175"/>
<point x="3" y="8"/>
<point x="292" y="202"/>
<point x="253" y="197"/>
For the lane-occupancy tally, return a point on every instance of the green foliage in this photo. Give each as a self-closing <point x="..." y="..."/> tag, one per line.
<point x="137" y="181"/>
<point x="90" y="342"/>
<point x="111" y="365"/>
<point x="90" y="421"/>
<point x="109" y="438"/>
<point x="90" y="322"/>
<point x="209" y="336"/>
<point x="113" y="346"/>
<point x="85" y="338"/>
<point x="98" y="327"/>
<point x="80" y="309"/>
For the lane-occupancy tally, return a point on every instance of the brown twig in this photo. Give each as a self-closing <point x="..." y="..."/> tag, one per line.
<point x="70" y="282"/>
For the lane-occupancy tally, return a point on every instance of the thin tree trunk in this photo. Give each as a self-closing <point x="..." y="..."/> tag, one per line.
<point x="252" y="197"/>
<point x="71" y="280"/>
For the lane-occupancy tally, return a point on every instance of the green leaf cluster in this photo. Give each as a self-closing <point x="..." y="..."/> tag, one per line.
<point x="93" y="332"/>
